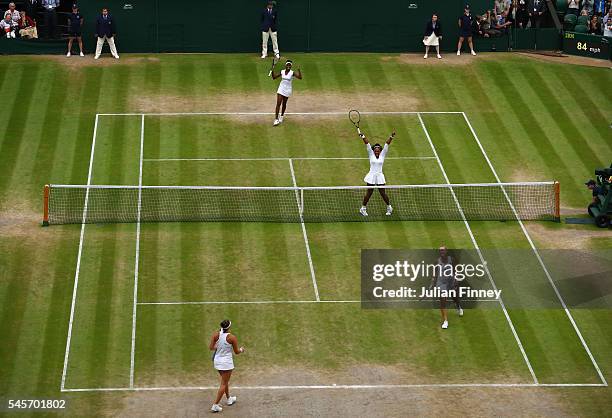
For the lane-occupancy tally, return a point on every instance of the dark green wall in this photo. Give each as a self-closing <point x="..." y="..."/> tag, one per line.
<point x="304" y="25"/>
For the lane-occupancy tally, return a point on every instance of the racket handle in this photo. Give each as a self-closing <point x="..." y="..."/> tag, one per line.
<point x="270" y="73"/>
<point x="358" y="131"/>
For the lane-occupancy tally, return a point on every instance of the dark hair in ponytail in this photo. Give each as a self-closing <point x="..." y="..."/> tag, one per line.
<point x="225" y="324"/>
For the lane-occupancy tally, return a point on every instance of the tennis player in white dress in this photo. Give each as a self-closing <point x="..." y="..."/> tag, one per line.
<point x="285" y="88"/>
<point x="224" y="345"/>
<point x="375" y="176"/>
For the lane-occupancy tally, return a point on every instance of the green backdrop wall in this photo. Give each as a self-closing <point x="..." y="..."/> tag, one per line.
<point x="304" y="25"/>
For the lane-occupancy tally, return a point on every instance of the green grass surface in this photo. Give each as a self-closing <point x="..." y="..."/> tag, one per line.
<point x="536" y="120"/>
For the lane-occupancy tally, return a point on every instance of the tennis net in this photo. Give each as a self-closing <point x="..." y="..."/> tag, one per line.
<point x="112" y="204"/>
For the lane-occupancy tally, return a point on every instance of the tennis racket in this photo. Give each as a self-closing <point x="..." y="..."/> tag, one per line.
<point x="355" y="117"/>
<point x="274" y="62"/>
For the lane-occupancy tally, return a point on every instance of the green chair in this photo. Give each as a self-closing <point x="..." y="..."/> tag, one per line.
<point x="582" y="20"/>
<point x="569" y="21"/>
<point x="581" y="29"/>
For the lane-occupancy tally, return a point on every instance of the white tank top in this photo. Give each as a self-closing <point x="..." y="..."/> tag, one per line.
<point x="286" y="79"/>
<point x="224" y="355"/>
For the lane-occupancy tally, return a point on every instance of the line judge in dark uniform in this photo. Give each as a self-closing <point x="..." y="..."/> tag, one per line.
<point x="268" y="30"/>
<point x="106" y="31"/>
<point x="432" y="36"/>
<point x="465" y="29"/>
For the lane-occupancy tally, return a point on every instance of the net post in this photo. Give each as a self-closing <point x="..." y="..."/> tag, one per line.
<point x="46" y="190"/>
<point x="557" y="202"/>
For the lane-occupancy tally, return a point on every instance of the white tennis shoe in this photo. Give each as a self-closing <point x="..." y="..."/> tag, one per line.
<point x="389" y="210"/>
<point x="460" y="311"/>
<point x="473" y="52"/>
<point x="458" y="53"/>
<point x="280" y="118"/>
<point x="81" y="54"/>
<point x="68" y="54"/>
<point x="216" y="408"/>
<point x="231" y="400"/>
<point x="276" y="122"/>
<point x="439" y="56"/>
<point x="425" y="56"/>
<point x="444" y="324"/>
<point x="363" y="211"/>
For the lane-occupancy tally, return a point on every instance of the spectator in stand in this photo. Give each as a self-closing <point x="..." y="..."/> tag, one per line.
<point x="599" y="7"/>
<point x="268" y="30"/>
<point x="432" y="36"/>
<point x="74" y="31"/>
<point x="573" y="7"/>
<point x="522" y="16"/>
<point x="536" y="11"/>
<point x="31" y="7"/>
<point x="465" y="30"/>
<point x="607" y="24"/>
<point x="594" y="26"/>
<point x="500" y="6"/>
<point x="27" y="27"/>
<point x="14" y="13"/>
<point x="501" y="23"/>
<point x="50" y="17"/>
<point x="106" y="31"/>
<point x="588" y="6"/>
<point x="8" y="26"/>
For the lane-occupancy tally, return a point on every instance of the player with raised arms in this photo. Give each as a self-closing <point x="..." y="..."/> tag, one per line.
<point x="285" y="88"/>
<point x="223" y="343"/>
<point x="375" y="177"/>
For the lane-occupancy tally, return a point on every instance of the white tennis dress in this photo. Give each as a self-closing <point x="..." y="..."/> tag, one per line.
<point x="375" y="175"/>
<point x="224" y="354"/>
<point x="285" y="88"/>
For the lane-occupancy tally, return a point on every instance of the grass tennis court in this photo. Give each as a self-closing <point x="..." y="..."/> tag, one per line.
<point x="148" y="295"/>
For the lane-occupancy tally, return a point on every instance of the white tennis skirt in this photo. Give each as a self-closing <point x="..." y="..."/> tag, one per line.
<point x="285" y="89"/>
<point x="375" y="178"/>
<point x="223" y="363"/>
<point x="431" y="40"/>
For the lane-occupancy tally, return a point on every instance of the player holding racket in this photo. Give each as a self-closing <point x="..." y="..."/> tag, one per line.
<point x="375" y="176"/>
<point x="223" y="343"/>
<point x="285" y="89"/>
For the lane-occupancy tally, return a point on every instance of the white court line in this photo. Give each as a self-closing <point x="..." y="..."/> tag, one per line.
<point x="137" y="256"/>
<point x="272" y="113"/>
<point x="282" y="159"/>
<point x="80" y="253"/>
<point x="537" y="254"/>
<point x="345" y="387"/>
<point x="280" y="302"/>
<point x="297" y="198"/>
<point x="469" y="229"/>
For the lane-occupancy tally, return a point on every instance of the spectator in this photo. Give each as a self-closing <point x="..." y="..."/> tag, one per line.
<point x="8" y="26"/>
<point x="522" y="16"/>
<point x="106" y="30"/>
<point x="50" y="17"/>
<point x="573" y="7"/>
<point x="74" y="31"/>
<point x="594" y="26"/>
<point x="432" y="36"/>
<point x="27" y="27"/>
<point x="14" y="13"/>
<point x="607" y="24"/>
<point x="536" y="11"/>
<point x="269" y="18"/>
<point x="465" y="29"/>
<point x="598" y="7"/>
<point x="588" y="6"/>
<point x="31" y="7"/>
<point x="501" y="23"/>
<point x="501" y="6"/>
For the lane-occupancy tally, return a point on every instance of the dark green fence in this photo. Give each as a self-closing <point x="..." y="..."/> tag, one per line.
<point x="304" y="25"/>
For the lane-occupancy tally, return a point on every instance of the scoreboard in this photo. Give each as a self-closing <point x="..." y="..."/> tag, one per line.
<point x="587" y="45"/>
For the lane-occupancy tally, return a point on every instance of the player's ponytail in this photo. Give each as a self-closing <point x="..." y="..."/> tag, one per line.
<point x="225" y="325"/>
